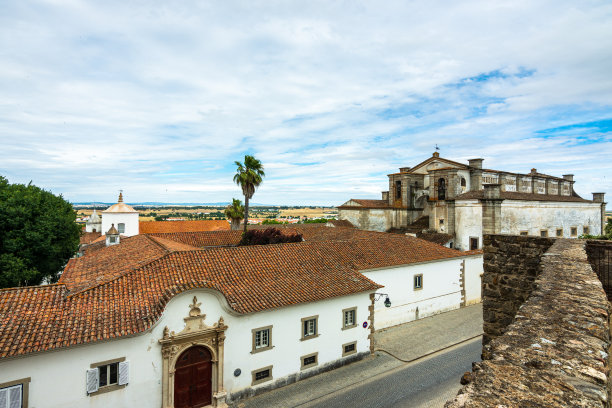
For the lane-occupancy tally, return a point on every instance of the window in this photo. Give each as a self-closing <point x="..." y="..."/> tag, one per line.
<point x="309" y="327"/>
<point x="585" y="229"/>
<point x="121" y="227"/>
<point x="349" y="348"/>
<point x="398" y="190"/>
<point x="559" y="232"/>
<point x="349" y="318"/>
<point x="543" y="233"/>
<point x="309" y="360"/>
<point x="418" y="282"/>
<point x="107" y="376"/>
<point x="441" y="189"/>
<point x="524" y="233"/>
<point x="261" y="375"/>
<point x="473" y="243"/>
<point x="262" y="339"/>
<point x="14" y="393"/>
<point x="112" y="240"/>
<point x="574" y="231"/>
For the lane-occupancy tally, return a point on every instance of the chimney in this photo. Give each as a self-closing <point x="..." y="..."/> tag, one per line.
<point x="476" y="163"/>
<point x="112" y="236"/>
<point x="492" y="191"/>
<point x="385" y="196"/>
<point x="534" y="171"/>
<point x="404" y="169"/>
<point x="598" y="197"/>
<point x="568" y="177"/>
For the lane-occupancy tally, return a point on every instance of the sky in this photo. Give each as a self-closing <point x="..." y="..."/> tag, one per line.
<point x="159" y="98"/>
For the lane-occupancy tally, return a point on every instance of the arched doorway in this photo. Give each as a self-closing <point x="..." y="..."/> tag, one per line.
<point x="193" y="378"/>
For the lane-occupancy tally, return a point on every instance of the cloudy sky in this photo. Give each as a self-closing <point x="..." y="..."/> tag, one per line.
<point x="159" y="98"/>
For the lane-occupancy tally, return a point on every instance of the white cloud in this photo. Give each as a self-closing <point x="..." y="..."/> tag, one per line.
<point x="164" y="96"/>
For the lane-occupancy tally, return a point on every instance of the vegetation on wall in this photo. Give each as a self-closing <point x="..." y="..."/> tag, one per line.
<point x="38" y="234"/>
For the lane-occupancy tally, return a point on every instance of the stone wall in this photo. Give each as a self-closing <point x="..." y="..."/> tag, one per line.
<point x="555" y="352"/>
<point x="511" y="265"/>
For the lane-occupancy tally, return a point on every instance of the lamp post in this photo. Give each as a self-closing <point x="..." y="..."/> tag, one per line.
<point x="378" y="296"/>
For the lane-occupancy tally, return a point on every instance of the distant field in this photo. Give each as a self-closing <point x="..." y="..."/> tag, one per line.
<point x="254" y="212"/>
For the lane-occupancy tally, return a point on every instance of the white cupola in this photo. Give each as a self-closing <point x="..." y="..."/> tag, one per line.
<point x="94" y="223"/>
<point x="121" y="215"/>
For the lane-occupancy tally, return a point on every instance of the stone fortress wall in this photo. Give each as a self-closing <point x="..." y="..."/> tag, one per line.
<point x="547" y="331"/>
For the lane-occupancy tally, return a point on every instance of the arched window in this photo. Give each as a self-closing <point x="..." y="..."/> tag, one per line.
<point x="441" y="189"/>
<point x="463" y="184"/>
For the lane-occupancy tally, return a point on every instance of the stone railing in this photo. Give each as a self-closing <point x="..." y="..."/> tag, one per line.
<point x="553" y="352"/>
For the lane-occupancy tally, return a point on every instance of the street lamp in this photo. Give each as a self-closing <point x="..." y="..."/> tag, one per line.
<point x="387" y="301"/>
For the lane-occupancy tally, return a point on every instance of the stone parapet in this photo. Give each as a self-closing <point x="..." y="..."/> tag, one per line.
<point x="555" y="352"/>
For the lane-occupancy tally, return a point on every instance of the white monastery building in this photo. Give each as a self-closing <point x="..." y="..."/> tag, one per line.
<point x="188" y="320"/>
<point x="463" y="202"/>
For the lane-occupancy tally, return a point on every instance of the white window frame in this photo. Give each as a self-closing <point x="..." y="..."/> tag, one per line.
<point x="310" y="327"/>
<point x="93" y="386"/>
<point x="262" y="339"/>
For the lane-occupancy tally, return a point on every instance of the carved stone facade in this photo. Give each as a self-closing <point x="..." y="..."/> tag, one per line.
<point x="195" y="333"/>
<point x="467" y="201"/>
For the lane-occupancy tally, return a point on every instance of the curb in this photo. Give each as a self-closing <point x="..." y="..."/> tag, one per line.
<point x="429" y="353"/>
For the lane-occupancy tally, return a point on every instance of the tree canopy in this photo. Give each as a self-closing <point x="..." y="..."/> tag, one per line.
<point x="235" y="212"/>
<point x="248" y="176"/>
<point x="38" y="234"/>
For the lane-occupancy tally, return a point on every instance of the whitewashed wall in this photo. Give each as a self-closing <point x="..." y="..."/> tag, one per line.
<point x="441" y="291"/>
<point x="58" y="377"/>
<point x="468" y="223"/>
<point x="129" y="219"/>
<point x="533" y="216"/>
<point x="473" y="278"/>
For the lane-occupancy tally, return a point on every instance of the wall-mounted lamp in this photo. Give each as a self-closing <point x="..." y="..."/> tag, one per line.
<point x="378" y="296"/>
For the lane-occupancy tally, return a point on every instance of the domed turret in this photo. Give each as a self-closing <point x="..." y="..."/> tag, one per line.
<point x="121" y="215"/>
<point x="94" y="223"/>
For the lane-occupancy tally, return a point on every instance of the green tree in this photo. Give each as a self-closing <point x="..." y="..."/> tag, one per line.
<point x="38" y="234"/>
<point x="248" y="176"/>
<point x="235" y="212"/>
<point x="608" y="228"/>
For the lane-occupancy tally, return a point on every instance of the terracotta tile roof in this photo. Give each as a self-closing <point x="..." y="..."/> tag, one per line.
<point x="252" y="279"/>
<point x="203" y="239"/>
<point x="419" y="224"/>
<point x="119" y="208"/>
<point x="435" y="237"/>
<point x="368" y="204"/>
<point x="509" y="195"/>
<point x="154" y="227"/>
<point x="89" y="237"/>
<point x="107" y="263"/>
<point x="341" y="223"/>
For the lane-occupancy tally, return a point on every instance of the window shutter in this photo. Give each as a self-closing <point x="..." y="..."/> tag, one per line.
<point x="15" y="397"/>
<point x="4" y="398"/>
<point x="93" y="380"/>
<point x="124" y="373"/>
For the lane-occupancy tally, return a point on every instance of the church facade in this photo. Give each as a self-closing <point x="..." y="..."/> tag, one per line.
<point x="466" y="201"/>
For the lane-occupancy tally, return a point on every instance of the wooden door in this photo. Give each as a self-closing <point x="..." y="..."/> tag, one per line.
<point x="193" y="378"/>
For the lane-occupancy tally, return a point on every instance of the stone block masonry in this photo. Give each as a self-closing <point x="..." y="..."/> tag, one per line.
<point x="555" y="351"/>
<point x="511" y="265"/>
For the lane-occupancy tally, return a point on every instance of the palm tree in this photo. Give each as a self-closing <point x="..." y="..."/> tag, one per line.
<point x="235" y="212"/>
<point x="248" y="176"/>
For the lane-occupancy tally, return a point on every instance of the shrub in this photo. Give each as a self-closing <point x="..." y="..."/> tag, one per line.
<point x="268" y="236"/>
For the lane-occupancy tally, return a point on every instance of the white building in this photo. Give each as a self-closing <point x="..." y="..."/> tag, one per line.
<point x="123" y="216"/>
<point x="94" y="223"/>
<point x="155" y="322"/>
<point x="467" y="201"/>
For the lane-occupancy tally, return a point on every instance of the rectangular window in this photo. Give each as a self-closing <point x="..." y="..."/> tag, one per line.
<point x="309" y="360"/>
<point x="559" y="232"/>
<point x="473" y="243"/>
<point x="107" y="376"/>
<point x="309" y="327"/>
<point x="261" y="375"/>
<point x="262" y="339"/>
<point x="418" y="281"/>
<point x="574" y="231"/>
<point x="524" y="233"/>
<point x="349" y="318"/>
<point x="121" y="228"/>
<point x="112" y="240"/>
<point x="349" y="348"/>
<point x="585" y="230"/>
<point x="14" y="393"/>
<point x="543" y="233"/>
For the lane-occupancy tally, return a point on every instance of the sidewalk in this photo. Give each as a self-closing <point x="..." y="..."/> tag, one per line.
<point x="408" y="342"/>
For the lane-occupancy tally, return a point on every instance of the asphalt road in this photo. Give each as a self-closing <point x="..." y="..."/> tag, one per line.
<point x="429" y="382"/>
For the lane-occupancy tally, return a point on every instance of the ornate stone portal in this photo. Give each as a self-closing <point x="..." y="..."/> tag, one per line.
<point x="195" y="333"/>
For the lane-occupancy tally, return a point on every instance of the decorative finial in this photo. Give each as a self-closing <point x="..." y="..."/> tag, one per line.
<point x="120" y="196"/>
<point x="195" y="308"/>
